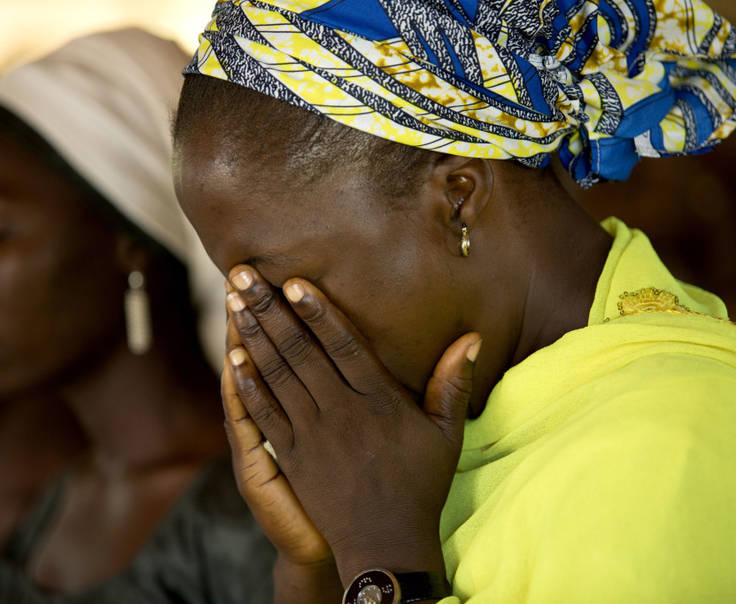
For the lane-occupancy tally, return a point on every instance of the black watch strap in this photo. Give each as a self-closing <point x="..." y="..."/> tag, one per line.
<point x="380" y="586"/>
<point x="416" y="587"/>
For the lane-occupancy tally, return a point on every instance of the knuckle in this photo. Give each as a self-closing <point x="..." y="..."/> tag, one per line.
<point x="247" y="388"/>
<point x="264" y="415"/>
<point x="262" y="302"/>
<point x="454" y="392"/>
<point x="459" y="386"/>
<point x="386" y="405"/>
<point x="275" y="372"/>
<point x="250" y="331"/>
<point x="343" y="347"/>
<point x="449" y="399"/>
<point x="297" y="347"/>
<point x="315" y="314"/>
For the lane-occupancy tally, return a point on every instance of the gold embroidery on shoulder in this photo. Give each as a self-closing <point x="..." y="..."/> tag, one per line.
<point x="650" y="299"/>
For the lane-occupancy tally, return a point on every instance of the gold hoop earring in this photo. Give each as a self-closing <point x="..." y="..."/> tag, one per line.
<point x="465" y="241"/>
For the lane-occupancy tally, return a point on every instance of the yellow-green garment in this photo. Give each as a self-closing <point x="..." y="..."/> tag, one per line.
<point x="603" y="469"/>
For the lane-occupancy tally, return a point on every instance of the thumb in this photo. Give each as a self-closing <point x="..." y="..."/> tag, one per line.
<point x="449" y="388"/>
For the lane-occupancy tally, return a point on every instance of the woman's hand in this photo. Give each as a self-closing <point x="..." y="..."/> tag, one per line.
<point x="370" y="467"/>
<point x="305" y="569"/>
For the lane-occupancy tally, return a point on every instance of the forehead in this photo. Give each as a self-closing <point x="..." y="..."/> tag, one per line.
<point x="248" y="206"/>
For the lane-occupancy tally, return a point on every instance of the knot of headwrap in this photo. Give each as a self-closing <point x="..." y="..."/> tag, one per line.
<point x="602" y="82"/>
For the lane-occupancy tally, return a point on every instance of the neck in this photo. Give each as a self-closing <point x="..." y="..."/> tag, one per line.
<point x="139" y="411"/>
<point x="565" y="267"/>
<point x="27" y="461"/>
<point x="559" y="252"/>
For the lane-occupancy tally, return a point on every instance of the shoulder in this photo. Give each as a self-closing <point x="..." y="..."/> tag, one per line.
<point x="664" y="422"/>
<point x="637" y="491"/>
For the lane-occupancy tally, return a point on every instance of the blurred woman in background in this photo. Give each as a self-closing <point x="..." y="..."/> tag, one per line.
<point x="100" y="277"/>
<point x="28" y="461"/>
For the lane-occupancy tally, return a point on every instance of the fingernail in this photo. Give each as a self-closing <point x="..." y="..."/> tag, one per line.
<point x="237" y="356"/>
<point x="235" y="302"/>
<point x="294" y="292"/>
<point x="243" y="280"/>
<point x="473" y="351"/>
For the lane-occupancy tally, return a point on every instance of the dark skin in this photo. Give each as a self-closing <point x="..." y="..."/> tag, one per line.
<point x="365" y="405"/>
<point x="21" y="421"/>
<point x="149" y="422"/>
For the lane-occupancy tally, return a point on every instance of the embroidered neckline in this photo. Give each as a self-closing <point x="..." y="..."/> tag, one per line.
<point x="652" y="299"/>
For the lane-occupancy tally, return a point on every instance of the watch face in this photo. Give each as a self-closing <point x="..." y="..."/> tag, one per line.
<point x="373" y="587"/>
<point x="371" y="594"/>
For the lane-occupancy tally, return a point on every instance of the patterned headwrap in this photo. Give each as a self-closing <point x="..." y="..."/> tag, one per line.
<point x="602" y="82"/>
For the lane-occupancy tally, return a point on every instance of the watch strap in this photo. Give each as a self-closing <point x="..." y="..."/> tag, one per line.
<point x="417" y="587"/>
<point x="379" y="585"/>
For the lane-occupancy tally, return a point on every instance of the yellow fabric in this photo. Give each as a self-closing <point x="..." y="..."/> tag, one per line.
<point x="602" y="469"/>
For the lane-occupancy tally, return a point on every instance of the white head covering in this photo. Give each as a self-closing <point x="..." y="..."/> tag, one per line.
<point x="104" y="103"/>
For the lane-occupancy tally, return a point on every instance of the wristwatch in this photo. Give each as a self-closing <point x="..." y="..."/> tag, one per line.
<point x="381" y="586"/>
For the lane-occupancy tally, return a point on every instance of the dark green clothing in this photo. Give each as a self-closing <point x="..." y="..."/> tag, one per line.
<point x="208" y="550"/>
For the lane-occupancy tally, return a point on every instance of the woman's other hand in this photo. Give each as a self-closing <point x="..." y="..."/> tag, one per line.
<point x="370" y="467"/>
<point x="305" y="569"/>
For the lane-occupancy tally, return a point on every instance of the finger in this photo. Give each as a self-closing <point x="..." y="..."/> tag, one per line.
<point x="243" y="435"/>
<point x="285" y="385"/>
<point x="231" y="403"/>
<point x="232" y="339"/>
<point x="276" y="508"/>
<point x="279" y="324"/>
<point x="262" y="408"/>
<point x="247" y="445"/>
<point x="262" y="484"/>
<point x="449" y="389"/>
<point x="341" y="340"/>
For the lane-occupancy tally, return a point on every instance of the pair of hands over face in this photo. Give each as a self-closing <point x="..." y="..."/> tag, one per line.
<point x="363" y="471"/>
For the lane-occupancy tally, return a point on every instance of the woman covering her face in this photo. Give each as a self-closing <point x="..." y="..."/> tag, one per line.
<point x="100" y="273"/>
<point x="380" y="182"/>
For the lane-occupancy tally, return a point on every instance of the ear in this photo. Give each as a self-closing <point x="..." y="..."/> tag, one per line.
<point x="464" y="188"/>
<point x="129" y="254"/>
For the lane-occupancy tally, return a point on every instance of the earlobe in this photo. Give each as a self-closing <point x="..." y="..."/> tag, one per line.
<point x="130" y="255"/>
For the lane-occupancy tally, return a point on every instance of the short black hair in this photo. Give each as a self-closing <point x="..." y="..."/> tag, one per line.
<point x="309" y="144"/>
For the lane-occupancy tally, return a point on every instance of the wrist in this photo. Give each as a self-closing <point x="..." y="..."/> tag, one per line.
<point x="381" y="585"/>
<point x="413" y="557"/>
<point x="313" y="583"/>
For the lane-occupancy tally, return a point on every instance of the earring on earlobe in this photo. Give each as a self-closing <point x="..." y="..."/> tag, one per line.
<point x="138" y="314"/>
<point x="465" y="241"/>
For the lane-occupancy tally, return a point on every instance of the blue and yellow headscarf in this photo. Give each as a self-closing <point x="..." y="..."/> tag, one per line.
<point x="601" y="82"/>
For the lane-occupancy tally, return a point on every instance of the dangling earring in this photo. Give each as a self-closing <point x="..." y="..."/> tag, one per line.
<point x="465" y="241"/>
<point x="138" y="314"/>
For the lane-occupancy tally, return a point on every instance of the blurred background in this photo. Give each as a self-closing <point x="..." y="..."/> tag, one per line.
<point x="31" y="28"/>
<point x="687" y="207"/>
